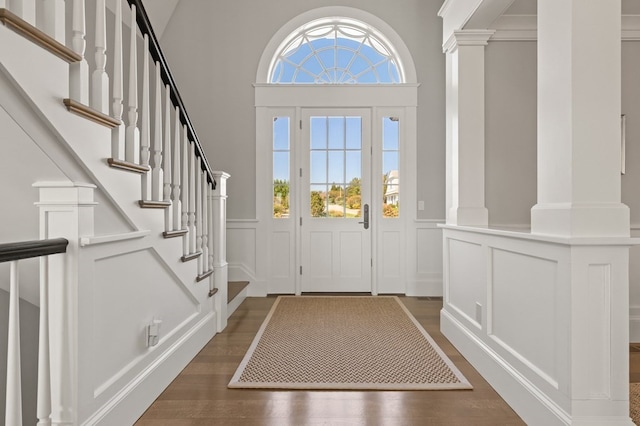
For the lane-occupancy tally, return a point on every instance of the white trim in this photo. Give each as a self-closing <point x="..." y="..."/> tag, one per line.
<point x="101" y="239"/>
<point x="126" y="407"/>
<point x="338" y="96"/>
<point x="528" y="401"/>
<point x="269" y="53"/>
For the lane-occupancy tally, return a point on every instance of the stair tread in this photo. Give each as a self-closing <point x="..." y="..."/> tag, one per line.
<point x="234" y="288"/>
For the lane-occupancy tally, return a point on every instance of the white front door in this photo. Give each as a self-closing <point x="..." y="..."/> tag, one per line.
<point x="335" y="197"/>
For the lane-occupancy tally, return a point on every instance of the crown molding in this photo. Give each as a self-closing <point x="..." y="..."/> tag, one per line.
<point x="525" y="28"/>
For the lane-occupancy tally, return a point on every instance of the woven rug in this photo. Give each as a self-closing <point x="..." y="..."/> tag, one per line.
<point x="345" y="342"/>
<point x="634" y="402"/>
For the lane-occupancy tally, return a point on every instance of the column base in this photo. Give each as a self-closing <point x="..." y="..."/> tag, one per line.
<point x="581" y="220"/>
<point x="468" y="216"/>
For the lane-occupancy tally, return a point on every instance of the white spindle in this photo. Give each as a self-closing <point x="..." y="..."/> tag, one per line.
<point x="78" y="71"/>
<point x="192" y="201"/>
<point x="117" y="135"/>
<point x="132" y="134"/>
<point x="175" y="184"/>
<point x="156" y="172"/>
<point x="99" y="78"/>
<point x="145" y="130"/>
<point x="13" y="413"/>
<point x="210" y="222"/>
<point x="44" y="365"/>
<point x="184" y="193"/>
<point x="54" y="19"/>
<point x="205" y="222"/>
<point x="166" y="159"/>
<point x="198" y="223"/>
<point x="26" y="9"/>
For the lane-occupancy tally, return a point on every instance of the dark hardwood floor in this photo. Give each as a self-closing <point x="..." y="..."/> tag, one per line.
<point x="199" y="395"/>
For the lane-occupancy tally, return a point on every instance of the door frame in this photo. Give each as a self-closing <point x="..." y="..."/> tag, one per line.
<point x="303" y="163"/>
<point x="277" y="241"/>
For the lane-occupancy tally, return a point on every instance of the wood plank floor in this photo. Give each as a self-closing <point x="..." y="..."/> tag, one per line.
<point x="199" y="395"/>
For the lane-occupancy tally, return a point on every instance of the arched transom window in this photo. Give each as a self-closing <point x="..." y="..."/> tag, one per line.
<point x="336" y="51"/>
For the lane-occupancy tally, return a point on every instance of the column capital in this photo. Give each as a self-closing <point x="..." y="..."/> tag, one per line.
<point x="466" y="38"/>
<point x="221" y="183"/>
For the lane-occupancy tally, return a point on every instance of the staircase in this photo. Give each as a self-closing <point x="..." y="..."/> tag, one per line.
<point x="143" y="283"/>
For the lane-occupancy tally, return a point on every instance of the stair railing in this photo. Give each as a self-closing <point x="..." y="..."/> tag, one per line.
<point x="13" y="253"/>
<point x="157" y="138"/>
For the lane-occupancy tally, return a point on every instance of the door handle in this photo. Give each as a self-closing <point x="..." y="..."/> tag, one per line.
<point x="366" y="216"/>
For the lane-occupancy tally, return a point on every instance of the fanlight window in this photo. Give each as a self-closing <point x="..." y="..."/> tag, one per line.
<point x="336" y="51"/>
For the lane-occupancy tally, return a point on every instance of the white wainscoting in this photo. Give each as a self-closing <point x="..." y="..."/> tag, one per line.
<point x="634" y="288"/>
<point x="243" y="256"/>
<point x="409" y="265"/>
<point x="543" y="319"/>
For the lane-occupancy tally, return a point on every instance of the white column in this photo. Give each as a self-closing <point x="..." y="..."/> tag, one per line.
<point x="166" y="159"/>
<point x="220" y="266"/>
<point x="117" y="133"/>
<point x="579" y="187"/>
<point x="465" y="127"/>
<point x="579" y="120"/>
<point x="66" y="210"/>
<point x="176" y="172"/>
<point x="156" y="172"/>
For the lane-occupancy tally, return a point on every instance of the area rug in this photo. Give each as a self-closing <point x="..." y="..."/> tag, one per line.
<point x="634" y="402"/>
<point x="345" y="342"/>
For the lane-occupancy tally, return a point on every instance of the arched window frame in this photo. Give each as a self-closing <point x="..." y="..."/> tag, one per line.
<point x="336" y="50"/>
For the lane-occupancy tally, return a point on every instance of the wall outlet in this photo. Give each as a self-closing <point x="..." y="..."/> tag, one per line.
<point x="478" y="313"/>
<point x="153" y="332"/>
<point x="420" y="205"/>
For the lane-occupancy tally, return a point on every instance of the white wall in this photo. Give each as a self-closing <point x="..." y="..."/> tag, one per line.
<point x="510" y="131"/>
<point x="213" y="49"/>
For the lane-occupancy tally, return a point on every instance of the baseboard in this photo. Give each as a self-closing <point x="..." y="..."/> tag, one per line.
<point x="133" y="399"/>
<point x="527" y="401"/>
<point x="431" y="286"/>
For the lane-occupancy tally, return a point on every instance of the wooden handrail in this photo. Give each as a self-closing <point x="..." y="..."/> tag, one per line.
<point x="156" y="53"/>
<point x="29" y="249"/>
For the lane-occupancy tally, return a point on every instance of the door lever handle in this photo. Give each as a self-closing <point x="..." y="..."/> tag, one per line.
<point x="366" y="216"/>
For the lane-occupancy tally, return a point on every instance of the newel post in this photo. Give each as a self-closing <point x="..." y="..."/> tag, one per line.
<point x="220" y="266"/>
<point x="66" y="210"/>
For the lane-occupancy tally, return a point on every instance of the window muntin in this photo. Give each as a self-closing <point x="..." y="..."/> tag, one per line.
<point x="390" y="167"/>
<point x="281" y="166"/>
<point x="335" y="166"/>
<point x="336" y="51"/>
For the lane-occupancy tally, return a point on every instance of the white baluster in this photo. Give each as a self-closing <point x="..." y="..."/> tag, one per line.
<point x="13" y="414"/>
<point x="184" y="193"/>
<point x="175" y="185"/>
<point x="99" y="78"/>
<point x="26" y="9"/>
<point x="166" y="158"/>
<point x="156" y="172"/>
<point x="44" y="365"/>
<point x="210" y="222"/>
<point x="54" y="19"/>
<point x="132" y="134"/>
<point x="117" y="135"/>
<point x="192" y="201"/>
<point x="145" y="130"/>
<point x="78" y="71"/>
<point x="198" y="222"/>
<point x="205" y="222"/>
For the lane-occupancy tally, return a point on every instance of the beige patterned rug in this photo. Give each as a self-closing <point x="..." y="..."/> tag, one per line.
<point x="345" y="342"/>
<point x="634" y="402"/>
